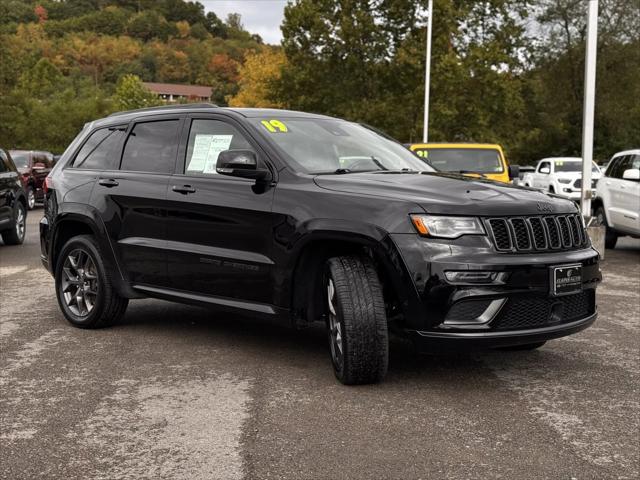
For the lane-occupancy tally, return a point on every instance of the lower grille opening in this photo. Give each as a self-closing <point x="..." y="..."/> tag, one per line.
<point x="542" y="311"/>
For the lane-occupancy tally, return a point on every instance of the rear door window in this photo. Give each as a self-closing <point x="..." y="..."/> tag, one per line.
<point x="151" y="147"/>
<point x="98" y="152"/>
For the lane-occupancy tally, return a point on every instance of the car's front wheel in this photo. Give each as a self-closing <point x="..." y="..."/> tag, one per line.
<point x="356" y="320"/>
<point x="610" y="237"/>
<point x="83" y="286"/>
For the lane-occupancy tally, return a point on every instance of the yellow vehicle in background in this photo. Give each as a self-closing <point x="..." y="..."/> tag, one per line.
<point x="474" y="159"/>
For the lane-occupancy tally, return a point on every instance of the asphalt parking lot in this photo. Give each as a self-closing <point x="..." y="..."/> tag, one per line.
<point x="182" y="392"/>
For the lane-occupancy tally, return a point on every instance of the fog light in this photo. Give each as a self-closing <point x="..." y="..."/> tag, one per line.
<point x="568" y="190"/>
<point x="476" y="277"/>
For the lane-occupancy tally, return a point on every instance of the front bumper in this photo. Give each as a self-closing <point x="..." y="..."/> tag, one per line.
<point x="428" y="341"/>
<point x="517" y="309"/>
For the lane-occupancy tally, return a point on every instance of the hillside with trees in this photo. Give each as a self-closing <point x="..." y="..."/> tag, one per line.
<point x="505" y="71"/>
<point x="63" y="63"/>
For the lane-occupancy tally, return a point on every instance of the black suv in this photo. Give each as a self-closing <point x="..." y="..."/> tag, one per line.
<point x="306" y="218"/>
<point x="13" y="202"/>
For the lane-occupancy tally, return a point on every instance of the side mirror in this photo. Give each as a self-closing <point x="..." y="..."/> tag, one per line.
<point x="545" y="170"/>
<point x="514" y="172"/>
<point x="631" y="174"/>
<point x="39" y="166"/>
<point x="241" y="163"/>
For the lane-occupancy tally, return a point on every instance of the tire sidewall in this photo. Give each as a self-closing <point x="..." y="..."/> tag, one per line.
<point x="338" y="368"/>
<point x="81" y="243"/>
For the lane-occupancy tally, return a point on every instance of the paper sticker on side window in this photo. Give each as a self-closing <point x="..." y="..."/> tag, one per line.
<point x="275" y="126"/>
<point x="205" y="152"/>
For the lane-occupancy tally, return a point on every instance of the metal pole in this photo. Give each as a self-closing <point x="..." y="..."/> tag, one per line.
<point x="588" y="108"/>
<point x="427" y="76"/>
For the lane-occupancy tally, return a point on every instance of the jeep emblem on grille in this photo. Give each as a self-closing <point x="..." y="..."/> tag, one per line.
<point x="544" y="207"/>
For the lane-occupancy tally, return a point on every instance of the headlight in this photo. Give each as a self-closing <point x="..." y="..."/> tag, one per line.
<point x="564" y="180"/>
<point x="446" y="227"/>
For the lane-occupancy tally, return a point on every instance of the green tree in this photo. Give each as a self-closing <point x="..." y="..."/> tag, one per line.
<point x="131" y="94"/>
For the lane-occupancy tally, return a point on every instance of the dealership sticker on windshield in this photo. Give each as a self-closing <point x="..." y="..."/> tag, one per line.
<point x="275" y="126"/>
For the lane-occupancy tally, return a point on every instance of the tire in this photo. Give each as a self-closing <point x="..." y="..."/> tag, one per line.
<point x="356" y="320"/>
<point x="15" y="235"/>
<point x="80" y="269"/>
<point x="521" y="348"/>
<point x="610" y="237"/>
<point x="31" y="198"/>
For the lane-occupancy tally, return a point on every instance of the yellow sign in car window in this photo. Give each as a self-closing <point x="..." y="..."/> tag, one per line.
<point x="422" y="153"/>
<point x="275" y="126"/>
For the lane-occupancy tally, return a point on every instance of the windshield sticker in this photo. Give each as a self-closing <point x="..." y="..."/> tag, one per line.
<point x="275" y="126"/>
<point x="422" y="153"/>
<point x="205" y="152"/>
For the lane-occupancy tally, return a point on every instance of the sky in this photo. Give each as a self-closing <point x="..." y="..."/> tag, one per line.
<point x="258" y="16"/>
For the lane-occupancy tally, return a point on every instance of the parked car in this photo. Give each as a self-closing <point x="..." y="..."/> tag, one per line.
<point x="617" y="202"/>
<point x="561" y="175"/>
<point x="13" y="202"/>
<point x="34" y="166"/>
<point x="304" y="218"/>
<point x="474" y="159"/>
<point x="522" y="171"/>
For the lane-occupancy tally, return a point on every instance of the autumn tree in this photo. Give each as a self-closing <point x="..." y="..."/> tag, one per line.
<point x="131" y="94"/>
<point x="257" y="78"/>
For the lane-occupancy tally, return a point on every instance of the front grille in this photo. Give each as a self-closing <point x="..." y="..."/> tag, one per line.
<point x="577" y="183"/>
<point x="537" y="233"/>
<point x="542" y="311"/>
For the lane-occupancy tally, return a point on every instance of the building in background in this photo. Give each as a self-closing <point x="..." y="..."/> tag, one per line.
<point x="170" y="92"/>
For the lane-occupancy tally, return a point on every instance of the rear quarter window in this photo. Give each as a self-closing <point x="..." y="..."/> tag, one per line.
<point x="99" y="151"/>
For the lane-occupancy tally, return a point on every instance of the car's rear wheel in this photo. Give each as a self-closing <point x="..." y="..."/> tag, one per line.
<point x="356" y="320"/>
<point x="15" y="235"/>
<point x="83" y="286"/>
<point x="31" y="198"/>
<point x="525" y="347"/>
<point x="610" y="237"/>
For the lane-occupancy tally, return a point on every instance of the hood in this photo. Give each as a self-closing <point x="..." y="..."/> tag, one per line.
<point x="443" y="193"/>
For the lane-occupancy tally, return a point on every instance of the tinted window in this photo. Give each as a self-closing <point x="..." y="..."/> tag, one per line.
<point x="20" y="159"/>
<point x="544" y="165"/>
<point x="98" y="151"/>
<point x="635" y="163"/>
<point x="615" y="170"/>
<point x="4" y="162"/>
<point x="207" y="138"/>
<point x="151" y="147"/>
<point x="572" y="166"/>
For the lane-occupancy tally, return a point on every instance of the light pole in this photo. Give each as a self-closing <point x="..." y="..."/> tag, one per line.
<point x="427" y="75"/>
<point x="588" y="107"/>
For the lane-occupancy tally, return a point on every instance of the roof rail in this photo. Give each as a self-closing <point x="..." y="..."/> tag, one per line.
<point x="166" y="107"/>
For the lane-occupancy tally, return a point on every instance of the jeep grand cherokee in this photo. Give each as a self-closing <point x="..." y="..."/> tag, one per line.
<point x="306" y="218"/>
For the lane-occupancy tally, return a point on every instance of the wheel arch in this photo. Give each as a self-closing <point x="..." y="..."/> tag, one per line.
<point x="73" y="224"/>
<point x="303" y="291"/>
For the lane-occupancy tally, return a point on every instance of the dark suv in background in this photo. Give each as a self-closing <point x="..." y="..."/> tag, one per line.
<point x="34" y="166"/>
<point x="306" y="218"/>
<point x="13" y="202"/>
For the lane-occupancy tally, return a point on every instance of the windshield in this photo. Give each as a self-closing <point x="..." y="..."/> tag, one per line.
<point x="317" y="146"/>
<point x="480" y="160"/>
<point x="573" y="166"/>
<point x="21" y="160"/>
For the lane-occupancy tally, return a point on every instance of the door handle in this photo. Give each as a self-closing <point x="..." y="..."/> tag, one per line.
<point x="108" y="182"/>
<point x="184" y="189"/>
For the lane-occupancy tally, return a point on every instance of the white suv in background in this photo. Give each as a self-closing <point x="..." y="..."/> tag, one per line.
<point x="617" y="202"/>
<point x="560" y="175"/>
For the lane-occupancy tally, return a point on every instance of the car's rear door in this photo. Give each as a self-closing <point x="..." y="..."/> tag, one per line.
<point x="132" y="196"/>
<point x="615" y="187"/>
<point x="219" y="227"/>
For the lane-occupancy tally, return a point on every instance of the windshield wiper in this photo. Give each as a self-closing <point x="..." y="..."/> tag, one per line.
<point x="464" y="172"/>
